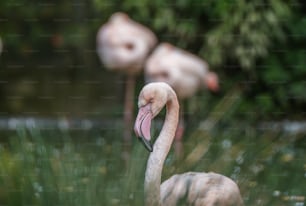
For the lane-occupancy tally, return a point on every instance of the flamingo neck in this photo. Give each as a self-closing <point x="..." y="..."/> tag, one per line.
<point x="161" y="149"/>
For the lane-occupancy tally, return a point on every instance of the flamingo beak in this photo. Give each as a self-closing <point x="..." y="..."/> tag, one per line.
<point x="214" y="87"/>
<point x="143" y="125"/>
<point x="212" y="82"/>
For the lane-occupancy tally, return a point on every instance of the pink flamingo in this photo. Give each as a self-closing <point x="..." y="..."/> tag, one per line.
<point x="123" y="45"/>
<point x="184" y="72"/>
<point x="202" y="189"/>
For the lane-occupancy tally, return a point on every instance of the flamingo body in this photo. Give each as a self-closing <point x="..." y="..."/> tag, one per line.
<point x="183" y="71"/>
<point x="123" y="44"/>
<point x="207" y="189"/>
<point x="200" y="189"/>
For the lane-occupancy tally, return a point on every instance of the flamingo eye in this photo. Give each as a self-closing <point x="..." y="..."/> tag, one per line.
<point x="164" y="74"/>
<point x="129" y="46"/>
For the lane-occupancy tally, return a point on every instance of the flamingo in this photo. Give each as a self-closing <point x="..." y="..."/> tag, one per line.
<point x="201" y="189"/>
<point x="184" y="72"/>
<point x="123" y="45"/>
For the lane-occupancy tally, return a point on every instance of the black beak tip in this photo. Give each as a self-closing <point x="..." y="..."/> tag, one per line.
<point x="146" y="143"/>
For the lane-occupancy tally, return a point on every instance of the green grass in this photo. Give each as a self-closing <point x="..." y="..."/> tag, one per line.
<point x="39" y="171"/>
<point x="54" y="167"/>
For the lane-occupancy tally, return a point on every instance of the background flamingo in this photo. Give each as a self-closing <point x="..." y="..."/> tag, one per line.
<point x="123" y="45"/>
<point x="194" y="188"/>
<point x="184" y="72"/>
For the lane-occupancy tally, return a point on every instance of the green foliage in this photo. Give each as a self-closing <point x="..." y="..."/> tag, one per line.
<point x="281" y="75"/>
<point x="34" y="171"/>
<point x="246" y="31"/>
<point x="256" y="43"/>
<point x="50" y="168"/>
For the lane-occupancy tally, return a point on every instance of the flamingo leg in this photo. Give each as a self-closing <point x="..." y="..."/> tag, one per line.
<point x="178" y="139"/>
<point x="128" y="114"/>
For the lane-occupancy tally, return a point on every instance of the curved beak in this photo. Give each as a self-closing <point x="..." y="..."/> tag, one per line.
<point x="143" y="126"/>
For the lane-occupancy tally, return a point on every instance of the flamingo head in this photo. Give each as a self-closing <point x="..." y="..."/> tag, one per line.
<point x="152" y="99"/>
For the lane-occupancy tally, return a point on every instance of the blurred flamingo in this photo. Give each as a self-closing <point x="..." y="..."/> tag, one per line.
<point x="184" y="72"/>
<point x="192" y="188"/>
<point x="123" y="45"/>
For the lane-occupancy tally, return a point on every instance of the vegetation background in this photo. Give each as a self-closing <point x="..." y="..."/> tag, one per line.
<point x="49" y="64"/>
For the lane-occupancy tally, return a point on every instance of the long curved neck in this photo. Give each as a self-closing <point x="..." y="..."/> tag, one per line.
<point x="161" y="149"/>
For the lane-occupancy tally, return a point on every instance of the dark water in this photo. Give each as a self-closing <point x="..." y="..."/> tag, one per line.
<point x="79" y="166"/>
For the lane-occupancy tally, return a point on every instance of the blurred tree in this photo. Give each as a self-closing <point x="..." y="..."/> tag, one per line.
<point x="258" y="43"/>
<point x="246" y="31"/>
<point x="283" y="72"/>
